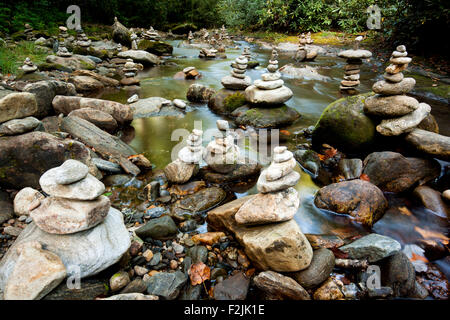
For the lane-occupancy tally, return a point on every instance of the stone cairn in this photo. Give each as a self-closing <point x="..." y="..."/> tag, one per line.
<point x="270" y="90"/>
<point x="75" y="201"/>
<point x="237" y="80"/>
<point x="224" y="34"/>
<point x="130" y="71"/>
<point x="247" y="53"/>
<point x="119" y="47"/>
<point x="151" y="34"/>
<point x="83" y="40"/>
<point x="29" y="32"/>
<point x="400" y="112"/>
<point x="187" y="164"/>
<point x="222" y="154"/>
<point x="63" y="51"/>
<point x="63" y="33"/>
<point x="190" y="73"/>
<point x="207" y="53"/>
<point x="134" y="38"/>
<point x="352" y="69"/>
<point x="304" y="53"/>
<point x="190" y="37"/>
<point x="29" y="66"/>
<point x="277" y="199"/>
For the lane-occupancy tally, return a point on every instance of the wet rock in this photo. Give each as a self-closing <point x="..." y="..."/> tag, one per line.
<point x="199" y="93"/>
<point x="280" y="287"/>
<point x="159" y="228"/>
<point x="141" y="56"/>
<point x="136" y="286"/>
<point x="19" y="126"/>
<point x="398" y="273"/>
<point x="430" y="143"/>
<point x="200" y="201"/>
<point x="351" y="168"/>
<point x="17" y="106"/>
<point x="309" y="160"/>
<point x="62" y="216"/>
<point x="268" y="117"/>
<point x="397" y="126"/>
<point x="240" y="173"/>
<point x="429" y="124"/>
<point x="208" y="238"/>
<point x="225" y="101"/>
<point x="191" y="292"/>
<point x="25" y="158"/>
<point x="36" y="273"/>
<point x="45" y="92"/>
<point x="66" y="105"/>
<point x="180" y="172"/>
<point x="198" y="254"/>
<point x="372" y="247"/>
<point x="75" y="62"/>
<point x="319" y="270"/>
<point x="132" y="296"/>
<point x="166" y="285"/>
<point x="432" y="200"/>
<point x="88" y="252"/>
<point x="158" y="48"/>
<point x="392" y="172"/>
<point x="117" y="180"/>
<point x="357" y="198"/>
<point x="233" y="288"/>
<point x="99" y="118"/>
<point x="119" y="281"/>
<point x="107" y="166"/>
<point x="344" y="125"/>
<point x="149" y="107"/>
<point x="330" y="290"/>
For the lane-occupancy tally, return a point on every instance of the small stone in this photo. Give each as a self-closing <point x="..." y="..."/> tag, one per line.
<point x="232" y="288"/>
<point x="140" y="271"/>
<point x="372" y="247"/>
<point x="173" y="264"/>
<point x="319" y="270"/>
<point x="446" y="195"/>
<point x="148" y="255"/>
<point x="265" y="186"/>
<point x="279" y="286"/>
<point x="159" y="228"/>
<point x="268" y="85"/>
<point x="133" y="99"/>
<point x="12" y="231"/>
<point x="27" y="200"/>
<point x="179" y="103"/>
<point x="223" y="125"/>
<point x="400" y="60"/>
<point x="401" y="48"/>
<point x="119" y="281"/>
<point x="209" y="238"/>
<point x="398" y="77"/>
<point x="330" y="290"/>
<point x="397" y="126"/>
<point x="166" y="285"/>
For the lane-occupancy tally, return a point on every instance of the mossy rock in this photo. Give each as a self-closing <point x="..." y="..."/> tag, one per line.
<point x="45" y="66"/>
<point x="268" y="117"/>
<point x="18" y="36"/>
<point x="252" y="64"/>
<point x="156" y="47"/>
<point x="344" y="125"/>
<point x="225" y="101"/>
<point x="184" y="28"/>
<point x="91" y="51"/>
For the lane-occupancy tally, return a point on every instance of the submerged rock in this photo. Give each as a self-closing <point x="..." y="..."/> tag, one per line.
<point x="398" y="273"/>
<point x="159" y="228"/>
<point x="358" y="198"/>
<point x="372" y="247"/>
<point x="268" y="117"/>
<point x="199" y="93"/>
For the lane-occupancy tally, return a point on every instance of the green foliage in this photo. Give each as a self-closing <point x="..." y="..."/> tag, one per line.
<point x="11" y="58"/>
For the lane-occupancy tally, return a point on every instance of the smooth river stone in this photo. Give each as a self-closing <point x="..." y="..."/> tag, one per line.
<point x="390" y="106"/>
<point x="287" y="181"/>
<point x="395" y="68"/>
<point x="400" y="60"/>
<point x="397" y="126"/>
<point x="283" y="156"/>
<point x="88" y="188"/>
<point x="355" y="54"/>
<point x="269" y="208"/>
<point x="398" y="77"/>
<point x="402" y="87"/>
<point x="352" y="77"/>
<point x="19" y="126"/>
<point x="63" y="216"/>
<point x="278" y="170"/>
<point x="268" y="97"/>
<point x="69" y="172"/>
<point x="84" y="253"/>
<point x="271" y="76"/>
<point x="180" y="172"/>
<point x="268" y="85"/>
<point x="347" y="83"/>
<point x="398" y="54"/>
<point x="36" y="273"/>
<point x="433" y="144"/>
<point x="26" y="200"/>
<point x="238" y="75"/>
<point x="233" y="83"/>
<point x="188" y="156"/>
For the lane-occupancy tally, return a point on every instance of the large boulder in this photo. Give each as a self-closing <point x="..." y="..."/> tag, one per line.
<point x="372" y="247"/>
<point x="430" y="143"/>
<point x="120" y="112"/>
<point x="268" y="117"/>
<point x="225" y="101"/>
<point x="25" y="158"/>
<point x="73" y="63"/>
<point x="392" y="172"/>
<point x="344" y="125"/>
<point x="86" y="84"/>
<point x="199" y="93"/>
<point x="45" y="91"/>
<point x="17" y="106"/>
<point x="141" y="56"/>
<point x="84" y="253"/>
<point x="99" y="118"/>
<point x="121" y="34"/>
<point x="155" y="47"/>
<point x="358" y="198"/>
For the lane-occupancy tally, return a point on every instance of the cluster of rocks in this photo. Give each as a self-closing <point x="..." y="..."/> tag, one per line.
<point x="63" y="52"/>
<point x="399" y="112"/>
<point x="187" y="164"/>
<point x="29" y="66"/>
<point x="222" y="154"/>
<point x="74" y="231"/>
<point x="28" y="32"/>
<point x="188" y="73"/>
<point x="207" y="53"/>
<point x="352" y="69"/>
<point x="304" y="53"/>
<point x="270" y="91"/>
<point x="83" y="40"/>
<point x="151" y="34"/>
<point x="63" y="33"/>
<point x="238" y="80"/>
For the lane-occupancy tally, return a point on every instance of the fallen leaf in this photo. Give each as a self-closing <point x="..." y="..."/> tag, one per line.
<point x="429" y="234"/>
<point x="364" y="177"/>
<point x="199" y="273"/>
<point x="285" y="132"/>
<point x="330" y="153"/>
<point x="416" y="257"/>
<point x="405" y="211"/>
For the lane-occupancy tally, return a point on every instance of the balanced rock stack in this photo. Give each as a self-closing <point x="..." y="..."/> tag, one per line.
<point x="62" y="51"/>
<point x="187" y="165"/>
<point x="29" y="32"/>
<point x="270" y="91"/>
<point x="190" y="37"/>
<point x="190" y="73"/>
<point x="278" y="200"/>
<point x="134" y="45"/>
<point x="352" y="69"/>
<point x="29" y="66"/>
<point x="301" y="52"/>
<point x="130" y="70"/>
<point x="238" y="80"/>
<point x="400" y="112"/>
<point x="63" y="32"/>
<point x="151" y="34"/>
<point x="83" y="40"/>
<point x="75" y="201"/>
<point x="207" y="53"/>
<point x="222" y="154"/>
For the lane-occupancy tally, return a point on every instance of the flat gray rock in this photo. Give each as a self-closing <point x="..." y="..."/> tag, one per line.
<point x="388" y="88"/>
<point x="19" y="126"/>
<point x="397" y="126"/>
<point x="88" y="188"/>
<point x="88" y="252"/>
<point x="390" y="106"/>
<point x="372" y="247"/>
<point x="355" y="54"/>
<point x="107" y="166"/>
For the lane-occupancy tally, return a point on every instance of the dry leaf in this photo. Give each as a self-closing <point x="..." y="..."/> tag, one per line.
<point x="199" y="273"/>
<point x="285" y="132"/>
<point x="364" y="177"/>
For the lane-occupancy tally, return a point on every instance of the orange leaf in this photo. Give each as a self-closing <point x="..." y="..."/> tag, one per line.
<point x="365" y="177"/>
<point x="322" y="157"/>
<point x="199" y="273"/>
<point x="330" y="153"/>
<point x="416" y="257"/>
<point x="285" y="132"/>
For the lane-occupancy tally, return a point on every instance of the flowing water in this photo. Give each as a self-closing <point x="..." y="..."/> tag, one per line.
<point x="152" y="136"/>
